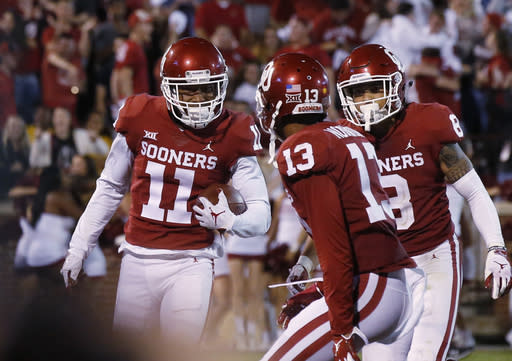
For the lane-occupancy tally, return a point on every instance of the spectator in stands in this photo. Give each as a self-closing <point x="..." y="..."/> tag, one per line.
<point x="440" y="38"/>
<point x="464" y="25"/>
<point x="61" y="20"/>
<point x="247" y="83"/>
<point x="258" y="15"/>
<point x="130" y="75"/>
<point x="57" y="148"/>
<point x="212" y="13"/>
<point x="265" y="49"/>
<point x="7" y="98"/>
<point x="14" y="153"/>
<point x="282" y="10"/>
<point x="58" y="203"/>
<point x="97" y="41"/>
<point x="89" y="140"/>
<point x="20" y="35"/>
<point x="234" y="54"/>
<point x="405" y="37"/>
<point x="339" y="25"/>
<point x="378" y="21"/>
<point x="62" y="74"/>
<point x="435" y="81"/>
<point x="492" y="78"/>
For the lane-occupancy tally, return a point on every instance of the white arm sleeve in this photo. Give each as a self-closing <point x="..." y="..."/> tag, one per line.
<point x="482" y="208"/>
<point x="248" y="179"/>
<point x="111" y="186"/>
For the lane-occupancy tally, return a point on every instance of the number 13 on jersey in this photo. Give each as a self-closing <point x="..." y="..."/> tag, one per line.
<point x="376" y="211"/>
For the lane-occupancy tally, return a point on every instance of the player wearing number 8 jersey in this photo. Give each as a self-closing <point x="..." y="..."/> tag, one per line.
<point x="330" y="173"/>
<point x="416" y="145"/>
<point x="167" y="151"/>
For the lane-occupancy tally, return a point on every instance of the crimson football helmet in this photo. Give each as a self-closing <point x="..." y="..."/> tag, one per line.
<point x="189" y="66"/>
<point x="291" y="84"/>
<point x="371" y="67"/>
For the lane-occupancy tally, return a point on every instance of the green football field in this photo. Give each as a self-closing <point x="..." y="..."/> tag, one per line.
<point x="490" y="356"/>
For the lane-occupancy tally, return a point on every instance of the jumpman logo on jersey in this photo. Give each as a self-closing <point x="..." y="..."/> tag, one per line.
<point x="502" y="265"/>
<point x="216" y="215"/>
<point x="209" y="147"/>
<point x="409" y="145"/>
<point x="434" y="256"/>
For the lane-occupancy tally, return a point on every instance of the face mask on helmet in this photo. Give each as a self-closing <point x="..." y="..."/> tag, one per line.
<point x="368" y="100"/>
<point x="196" y="100"/>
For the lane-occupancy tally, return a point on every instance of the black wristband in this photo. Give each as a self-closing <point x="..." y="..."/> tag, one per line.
<point x="497" y="248"/>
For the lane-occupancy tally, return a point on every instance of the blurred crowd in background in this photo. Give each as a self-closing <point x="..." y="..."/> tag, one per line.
<point x="66" y="67"/>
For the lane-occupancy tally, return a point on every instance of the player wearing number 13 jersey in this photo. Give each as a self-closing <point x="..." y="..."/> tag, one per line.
<point x="167" y="151"/>
<point x="417" y="150"/>
<point x="330" y="174"/>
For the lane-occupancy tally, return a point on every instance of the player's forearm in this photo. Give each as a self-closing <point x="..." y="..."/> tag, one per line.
<point x="482" y="208"/>
<point x="110" y="189"/>
<point x="248" y="179"/>
<point x="255" y="221"/>
<point x="98" y="213"/>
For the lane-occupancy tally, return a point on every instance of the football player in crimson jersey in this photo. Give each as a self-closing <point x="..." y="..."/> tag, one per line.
<point x="331" y="175"/>
<point x="168" y="149"/>
<point x="418" y="154"/>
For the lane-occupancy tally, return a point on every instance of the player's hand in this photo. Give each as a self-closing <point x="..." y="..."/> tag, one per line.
<point x="71" y="268"/>
<point x="297" y="273"/>
<point x="497" y="272"/>
<point x="297" y="303"/>
<point x="343" y="349"/>
<point x="217" y="216"/>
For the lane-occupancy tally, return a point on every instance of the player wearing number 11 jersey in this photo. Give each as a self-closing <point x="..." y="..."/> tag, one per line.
<point x="167" y="151"/>
<point x="330" y="174"/>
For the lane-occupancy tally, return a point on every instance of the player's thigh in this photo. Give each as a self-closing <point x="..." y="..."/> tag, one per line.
<point x="397" y="351"/>
<point x="384" y="305"/>
<point x="186" y="299"/>
<point x="136" y="307"/>
<point x="306" y="338"/>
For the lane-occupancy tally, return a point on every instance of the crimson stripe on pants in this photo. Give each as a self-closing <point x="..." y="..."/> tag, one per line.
<point x="454" y="301"/>
<point x="299" y="335"/>
<point x="375" y="299"/>
<point x="314" y="347"/>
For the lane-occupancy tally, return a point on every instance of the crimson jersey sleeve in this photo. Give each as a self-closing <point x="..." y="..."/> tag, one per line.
<point x="332" y="242"/>
<point x="439" y="124"/>
<point x="128" y="121"/>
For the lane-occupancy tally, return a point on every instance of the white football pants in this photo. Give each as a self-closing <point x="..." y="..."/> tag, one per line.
<point x="165" y="294"/>
<point x="385" y="313"/>
<point x="432" y="335"/>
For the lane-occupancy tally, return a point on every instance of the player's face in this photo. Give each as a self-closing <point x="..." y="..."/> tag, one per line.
<point x="368" y="91"/>
<point x="197" y="93"/>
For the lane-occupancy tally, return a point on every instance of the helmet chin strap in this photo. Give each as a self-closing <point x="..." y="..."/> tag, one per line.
<point x="273" y="137"/>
